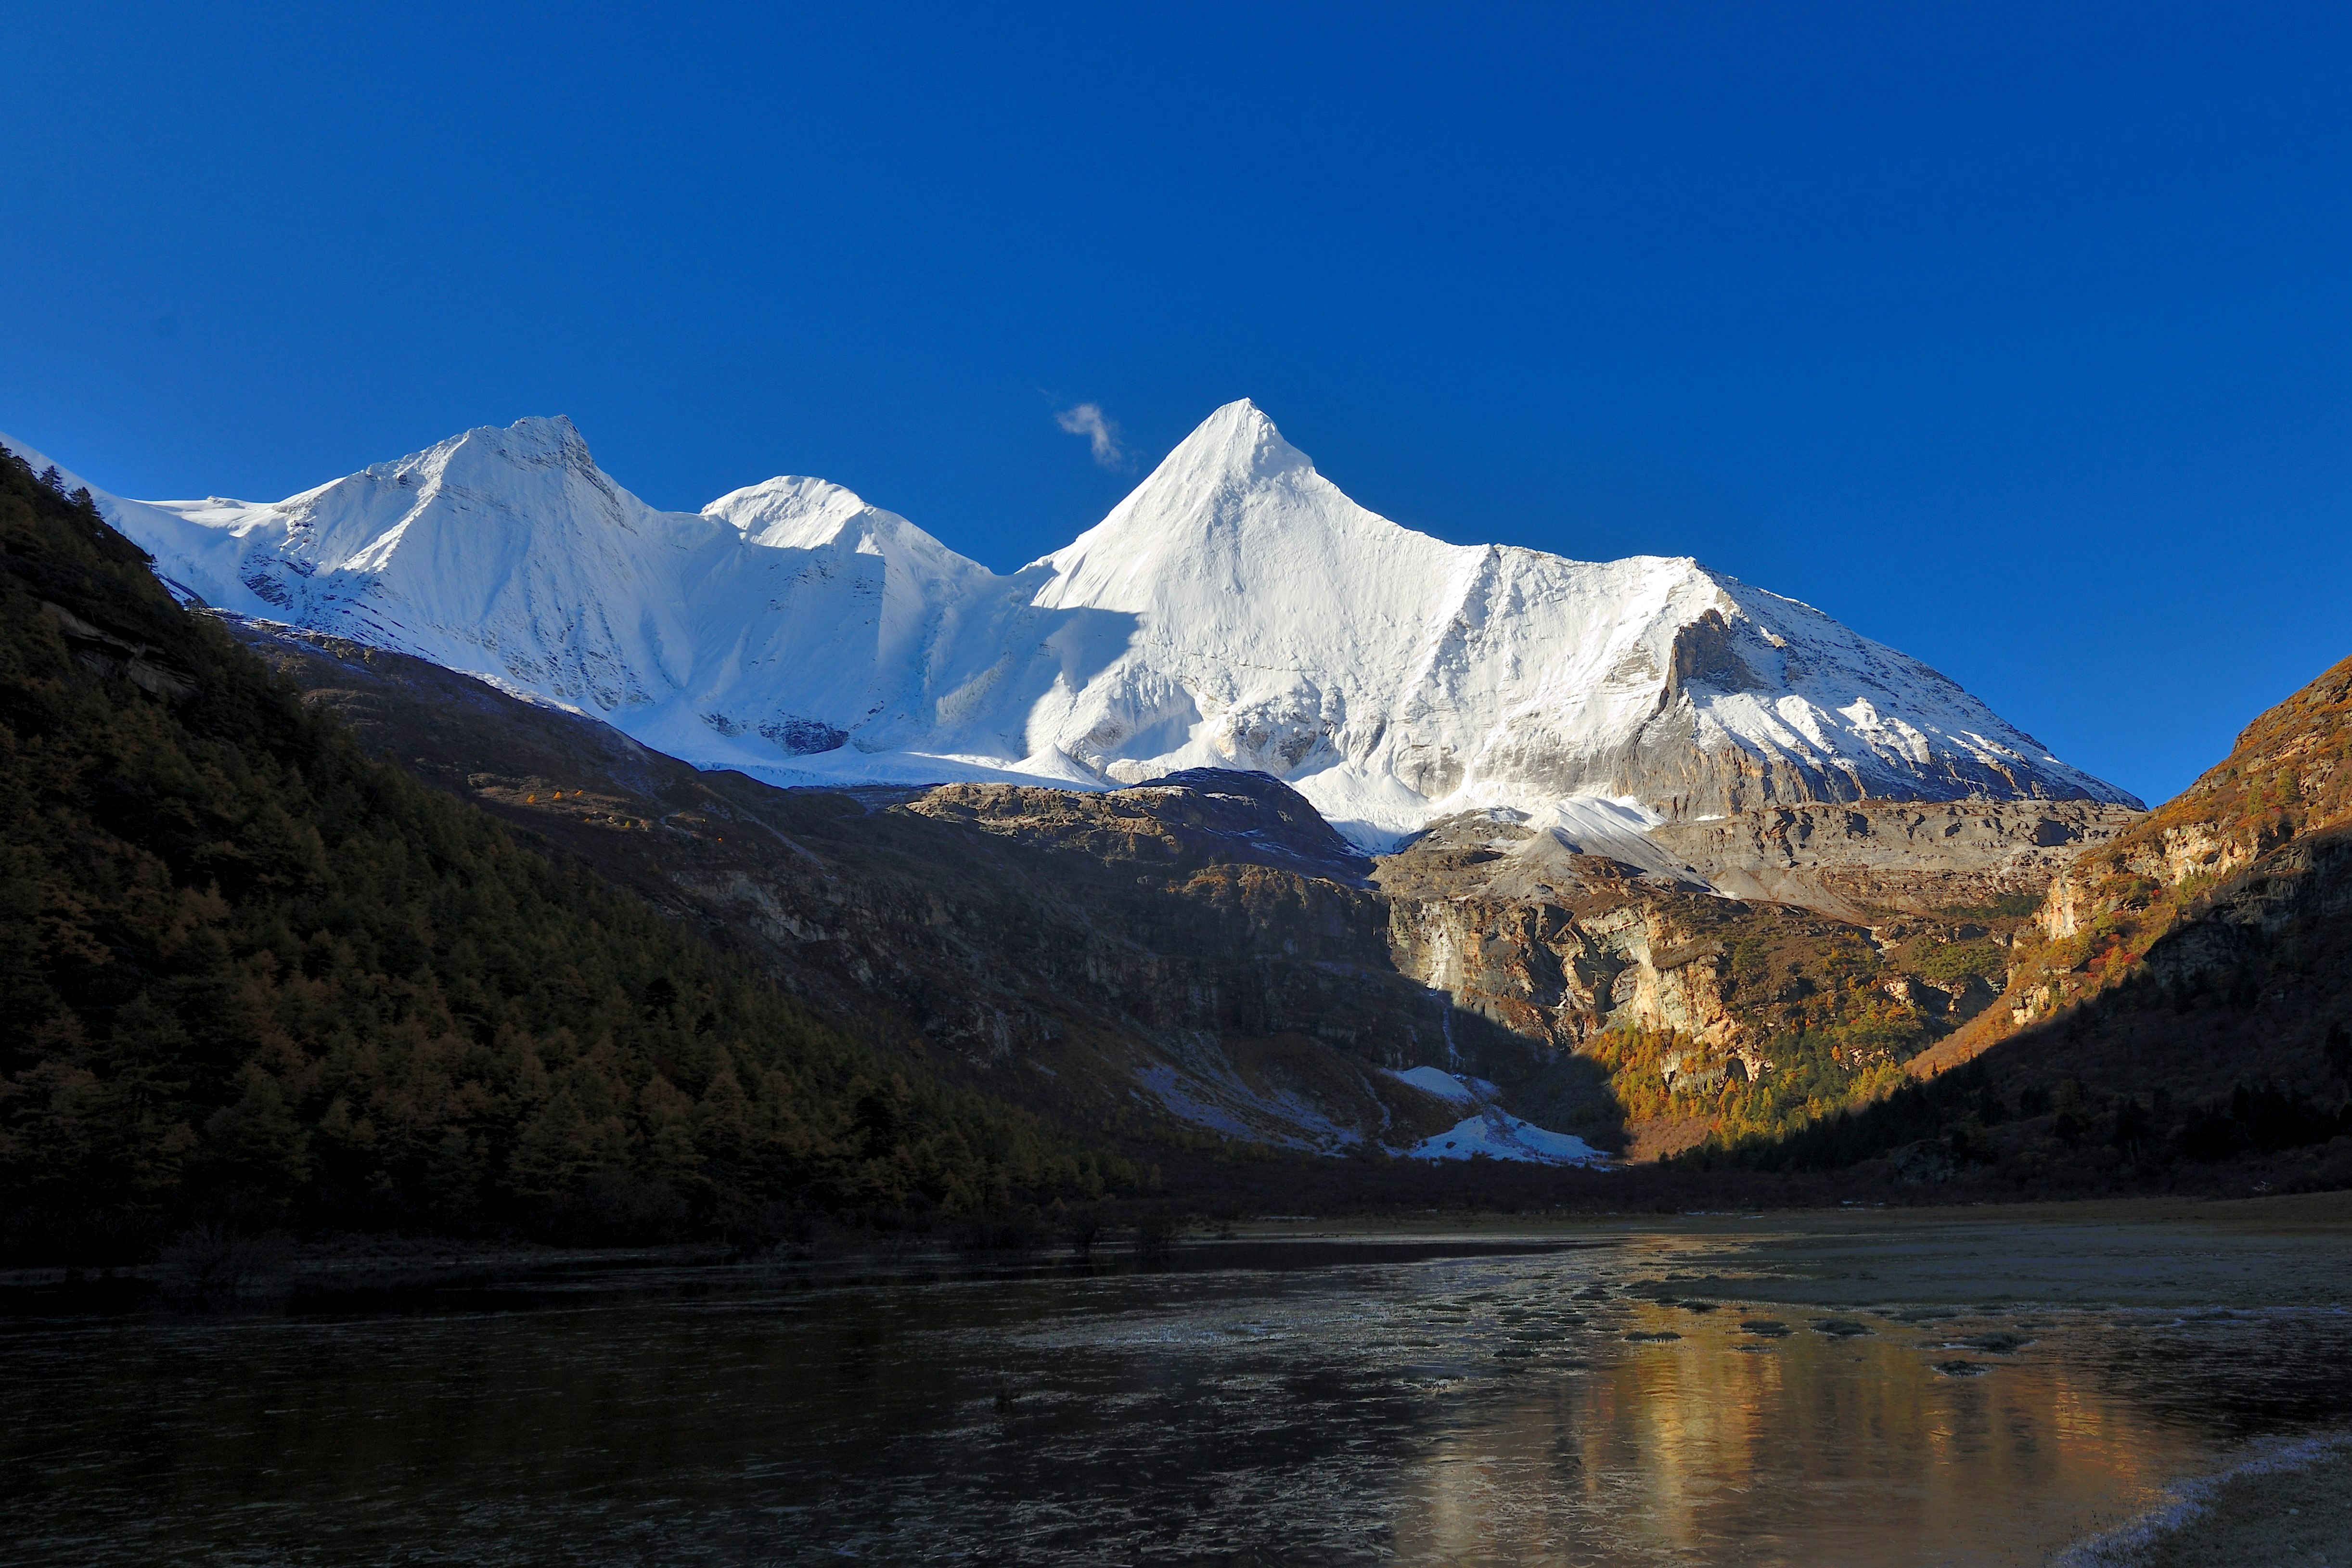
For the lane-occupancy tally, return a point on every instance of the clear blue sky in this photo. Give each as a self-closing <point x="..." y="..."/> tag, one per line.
<point x="2016" y="337"/>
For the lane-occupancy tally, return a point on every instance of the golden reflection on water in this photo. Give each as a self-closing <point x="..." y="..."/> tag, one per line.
<point x="1473" y="1410"/>
<point x="1703" y="1450"/>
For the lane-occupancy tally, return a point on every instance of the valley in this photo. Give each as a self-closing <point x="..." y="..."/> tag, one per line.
<point x="1205" y="954"/>
<point x="1203" y="958"/>
<point x="1233" y="786"/>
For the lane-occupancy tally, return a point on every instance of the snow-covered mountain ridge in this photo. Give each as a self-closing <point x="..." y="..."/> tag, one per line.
<point x="1237" y="610"/>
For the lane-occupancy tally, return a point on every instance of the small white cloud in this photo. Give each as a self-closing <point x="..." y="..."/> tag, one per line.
<point x="1086" y="419"/>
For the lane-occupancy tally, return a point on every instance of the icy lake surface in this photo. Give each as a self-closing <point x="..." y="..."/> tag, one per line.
<point x="1258" y="1403"/>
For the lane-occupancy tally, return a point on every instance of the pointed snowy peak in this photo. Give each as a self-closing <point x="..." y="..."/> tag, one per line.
<point x="493" y="456"/>
<point x="1234" y="506"/>
<point x="1237" y="609"/>
<point x="1237" y="442"/>
<point x="535" y="438"/>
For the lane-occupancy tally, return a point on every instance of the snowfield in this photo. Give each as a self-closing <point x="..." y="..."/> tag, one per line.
<point x="1237" y="610"/>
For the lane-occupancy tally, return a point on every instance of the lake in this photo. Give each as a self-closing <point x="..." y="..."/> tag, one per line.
<point x="1850" y="1390"/>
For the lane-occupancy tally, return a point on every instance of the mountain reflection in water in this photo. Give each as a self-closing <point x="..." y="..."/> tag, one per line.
<point x="1375" y="1405"/>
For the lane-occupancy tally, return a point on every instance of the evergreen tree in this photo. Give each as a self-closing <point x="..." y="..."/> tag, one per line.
<point x="252" y="976"/>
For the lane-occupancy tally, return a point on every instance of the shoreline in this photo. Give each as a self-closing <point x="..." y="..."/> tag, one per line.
<point x="2284" y="1498"/>
<point x="2287" y="1501"/>
<point x="2277" y="1250"/>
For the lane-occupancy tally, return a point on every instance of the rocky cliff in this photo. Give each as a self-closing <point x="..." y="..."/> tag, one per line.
<point x="1859" y="859"/>
<point x="1709" y="1013"/>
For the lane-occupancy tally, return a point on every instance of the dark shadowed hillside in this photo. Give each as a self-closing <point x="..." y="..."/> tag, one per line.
<point x="253" y="975"/>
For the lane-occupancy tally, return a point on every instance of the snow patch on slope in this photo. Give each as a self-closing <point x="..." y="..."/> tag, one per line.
<point x="1490" y="1132"/>
<point x="1452" y="1088"/>
<point x="1207" y="1092"/>
<point x="1495" y="1134"/>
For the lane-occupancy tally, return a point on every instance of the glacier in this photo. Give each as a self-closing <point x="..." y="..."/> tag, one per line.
<point x="1237" y="610"/>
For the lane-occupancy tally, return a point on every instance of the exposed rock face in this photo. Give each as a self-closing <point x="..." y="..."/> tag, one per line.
<point x="99" y="649"/>
<point x="1550" y="974"/>
<point x="1551" y="946"/>
<point x="1861" y="859"/>
<point x="1563" y="947"/>
<point x="2290" y="773"/>
<point x="2304" y="886"/>
<point x="1201" y="814"/>
<point x="2247" y="988"/>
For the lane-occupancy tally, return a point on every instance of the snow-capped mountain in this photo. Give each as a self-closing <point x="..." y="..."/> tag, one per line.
<point x="1235" y="610"/>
